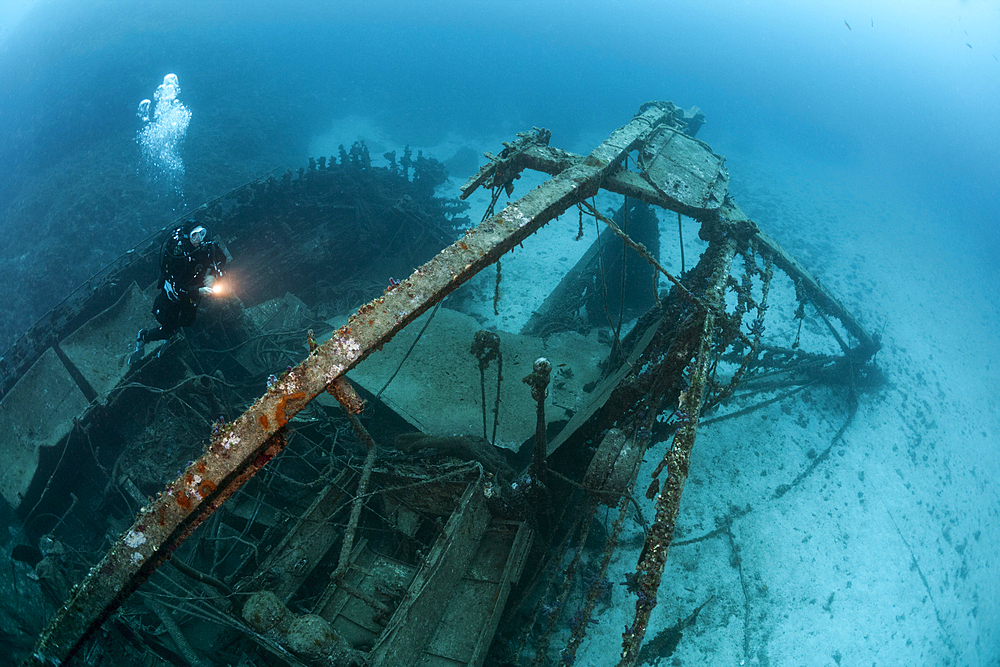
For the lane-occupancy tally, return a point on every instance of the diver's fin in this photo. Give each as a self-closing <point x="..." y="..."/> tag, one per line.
<point x="136" y="356"/>
<point x="140" y="348"/>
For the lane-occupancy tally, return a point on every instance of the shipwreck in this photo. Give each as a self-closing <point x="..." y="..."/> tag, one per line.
<point x="280" y="485"/>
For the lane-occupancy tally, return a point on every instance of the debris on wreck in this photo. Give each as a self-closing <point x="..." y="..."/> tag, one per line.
<point x="315" y="521"/>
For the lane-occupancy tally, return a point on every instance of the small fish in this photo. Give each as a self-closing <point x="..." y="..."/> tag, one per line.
<point x="873" y="23"/>
<point x="847" y="24"/>
<point x="968" y="45"/>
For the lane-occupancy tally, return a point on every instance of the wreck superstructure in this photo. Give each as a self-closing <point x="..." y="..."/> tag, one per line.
<point x="420" y="548"/>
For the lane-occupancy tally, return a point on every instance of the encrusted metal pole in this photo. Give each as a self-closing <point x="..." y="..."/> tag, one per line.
<point x="538" y="380"/>
<point x="237" y="452"/>
<point x="353" y="405"/>
<point x="649" y="569"/>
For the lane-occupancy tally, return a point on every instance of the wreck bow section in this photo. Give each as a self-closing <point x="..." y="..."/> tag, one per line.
<point x="463" y="531"/>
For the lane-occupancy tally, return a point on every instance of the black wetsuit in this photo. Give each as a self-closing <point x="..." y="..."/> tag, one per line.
<point x="183" y="270"/>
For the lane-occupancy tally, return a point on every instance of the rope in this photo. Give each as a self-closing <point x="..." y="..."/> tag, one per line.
<point x="407" y="355"/>
<point x="641" y="249"/>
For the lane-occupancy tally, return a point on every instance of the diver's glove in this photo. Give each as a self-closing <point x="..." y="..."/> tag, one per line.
<point x="206" y="288"/>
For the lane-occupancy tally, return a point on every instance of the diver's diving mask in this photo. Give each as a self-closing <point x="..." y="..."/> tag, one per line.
<point x="197" y="235"/>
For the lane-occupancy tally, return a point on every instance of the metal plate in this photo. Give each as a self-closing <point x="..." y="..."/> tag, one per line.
<point x="99" y="347"/>
<point x="686" y="170"/>
<point x="38" y="412"/>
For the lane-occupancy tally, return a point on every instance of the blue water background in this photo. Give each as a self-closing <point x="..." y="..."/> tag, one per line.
<point x="901" y="93"/>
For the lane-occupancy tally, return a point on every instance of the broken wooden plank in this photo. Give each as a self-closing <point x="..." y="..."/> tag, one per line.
<point x="237" y="452"/>
<point x="302" y="547"/>
<point x="466" y="630"/>
<point x="416" y="620"/>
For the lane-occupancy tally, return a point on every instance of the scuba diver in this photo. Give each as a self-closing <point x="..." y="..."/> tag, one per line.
<point x="189" y="265"/>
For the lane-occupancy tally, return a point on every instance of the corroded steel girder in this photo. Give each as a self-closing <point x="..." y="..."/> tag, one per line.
<point x="248" y="443"/>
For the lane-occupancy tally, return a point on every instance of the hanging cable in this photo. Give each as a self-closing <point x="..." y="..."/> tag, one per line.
<point x="680" y="235"/>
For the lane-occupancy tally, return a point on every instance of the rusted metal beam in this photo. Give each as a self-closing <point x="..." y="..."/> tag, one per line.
<point x="816" y="291"/>
<point x="239" y="451"/>
<point x="822" y="298"/>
